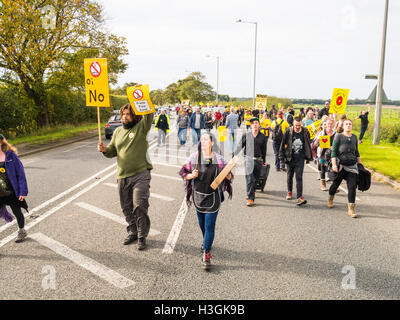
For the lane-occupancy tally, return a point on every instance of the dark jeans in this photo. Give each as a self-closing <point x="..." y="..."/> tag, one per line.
<point x="276" y="145"/>
<point x="323" y="171"/>
<point x="362" y="132"/>
<point x="134" y="193"/>
<point x="15" y="205"/>
<point x="253" y="169"/>
<point x="298" y="169"/>
<point x="351" y="179"/>
<point x="207" y="225"/>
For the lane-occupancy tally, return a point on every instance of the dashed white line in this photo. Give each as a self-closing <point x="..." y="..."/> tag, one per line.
<point x="176" y="229"/>
<point x="110" y="215"/>
<point x="87" y="263"/>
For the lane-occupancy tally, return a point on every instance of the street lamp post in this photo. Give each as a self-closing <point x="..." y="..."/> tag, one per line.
<point x="378" y="109"/>
<point x="208" y="56"/>
<point x="255" y="59"/>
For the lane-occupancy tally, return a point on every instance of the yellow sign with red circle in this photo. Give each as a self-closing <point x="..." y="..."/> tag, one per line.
<point x="339" y="101"/>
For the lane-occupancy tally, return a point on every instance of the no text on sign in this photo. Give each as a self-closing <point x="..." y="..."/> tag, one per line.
<point x="339" y="100"/>
<point x="96" y="82"/>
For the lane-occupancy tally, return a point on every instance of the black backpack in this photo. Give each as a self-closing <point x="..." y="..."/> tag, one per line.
<point x="364" y="178"/>
<point x="277" y="134"/>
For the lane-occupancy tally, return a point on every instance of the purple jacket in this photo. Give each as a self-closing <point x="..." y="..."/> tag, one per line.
<point x="16" y="174"/>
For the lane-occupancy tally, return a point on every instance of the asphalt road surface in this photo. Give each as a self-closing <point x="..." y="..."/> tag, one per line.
<point x="274" y="250"/>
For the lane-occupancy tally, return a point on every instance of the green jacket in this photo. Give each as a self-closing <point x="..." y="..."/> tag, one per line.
<point x="130" y="147"/>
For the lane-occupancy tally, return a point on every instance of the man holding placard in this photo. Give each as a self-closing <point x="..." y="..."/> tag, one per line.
<point x="129" y="145"/>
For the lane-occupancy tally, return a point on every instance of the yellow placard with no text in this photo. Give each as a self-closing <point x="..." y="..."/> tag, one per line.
<point x="339" y="101"/>
<point x="314" y="128"/>
<point x="139" y="98"/>
<point x="324" y="142"/>
<point x="222" y="133"/>
<point x="96" y="82"/>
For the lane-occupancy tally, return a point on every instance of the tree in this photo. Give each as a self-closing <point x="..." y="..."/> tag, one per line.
<point x="171" y="93"/>
<point x="195" y="88"/>
<point x="43" y="44"/>
<point x="157" y="97"/>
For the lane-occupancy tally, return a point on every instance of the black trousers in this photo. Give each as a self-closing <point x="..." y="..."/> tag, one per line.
<point x="253" y="169"/>
<point x="298" y="169"/>
<point x="15" y="206"/>
<point x="351" y="179"/>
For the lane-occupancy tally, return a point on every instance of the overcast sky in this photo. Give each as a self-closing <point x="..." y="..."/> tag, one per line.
<point x="305" y="48"/>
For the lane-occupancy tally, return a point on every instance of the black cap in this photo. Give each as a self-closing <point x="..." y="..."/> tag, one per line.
<point x="254" y="119"/>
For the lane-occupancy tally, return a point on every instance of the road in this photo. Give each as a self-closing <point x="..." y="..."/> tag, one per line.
<point x="274" y="250"/>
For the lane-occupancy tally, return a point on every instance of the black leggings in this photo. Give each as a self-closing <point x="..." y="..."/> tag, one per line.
<point x="351" y="179"/>
<point x="13" y="202"/>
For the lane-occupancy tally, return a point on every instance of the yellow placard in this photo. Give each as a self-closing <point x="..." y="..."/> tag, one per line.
<point x="96" y="82"/>
<point x="261" y="101"/>
<point x="324" y="142"/>
<point x="139" y="98"/>
<point x="222" y="133"/>
<point x="314" y="128"/>
<point x="339" y="100"/>
<point x="185" y="102"/>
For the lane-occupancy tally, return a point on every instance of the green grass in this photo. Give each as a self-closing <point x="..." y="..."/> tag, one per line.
<point x="52" y="134"/>
<point x="383" y="158"/>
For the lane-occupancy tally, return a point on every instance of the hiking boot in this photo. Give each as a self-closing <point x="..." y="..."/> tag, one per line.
<point x="351" y="210"/>
<point x="250" y="203"/>
<point x="206" y="261"/>
<point x="130" y="238"/>
<point x="323" y="185"/>
<point x="301" y="201"/>
<point x="330" y="202"/>
<point x="289" y="196"/>
<point x="141" y="244"/>
<point x="21" y="235"/>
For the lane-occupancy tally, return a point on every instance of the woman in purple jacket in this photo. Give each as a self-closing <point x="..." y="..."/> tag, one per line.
<point x="13" y="185"/>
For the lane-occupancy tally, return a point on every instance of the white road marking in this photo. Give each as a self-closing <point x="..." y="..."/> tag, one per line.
<point x="176" y="229"/>
<point x="77" y="147"/>
<point x="340" y="187"/>
<point x="110" y="216"/>
<point x="55" y="209"/>
<point x="62" y="194"/>
<point x="87" y="263"/>
<point x="152" y="194"/>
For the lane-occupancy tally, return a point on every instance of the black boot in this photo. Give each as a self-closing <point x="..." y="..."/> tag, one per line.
<point x="141" y="244"/>
<point x="130" y="238"/>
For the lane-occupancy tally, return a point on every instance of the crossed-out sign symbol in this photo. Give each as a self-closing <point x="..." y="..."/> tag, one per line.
<point x="95" y="69"/>
<point x="138" y="94"/>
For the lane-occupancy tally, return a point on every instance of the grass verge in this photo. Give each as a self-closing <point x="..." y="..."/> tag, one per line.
<point x="383" y="158"/>
<point x="50" y="134"/>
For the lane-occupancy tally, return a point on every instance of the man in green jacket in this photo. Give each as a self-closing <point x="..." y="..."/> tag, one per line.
<point x="130" y="146"/>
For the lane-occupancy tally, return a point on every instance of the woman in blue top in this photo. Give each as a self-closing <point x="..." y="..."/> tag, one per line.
<point x="13" y="185"/>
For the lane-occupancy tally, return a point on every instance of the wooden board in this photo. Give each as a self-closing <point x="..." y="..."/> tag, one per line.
<point x="228" y="168"/>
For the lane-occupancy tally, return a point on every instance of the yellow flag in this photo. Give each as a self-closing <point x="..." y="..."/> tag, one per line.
<point x="339" y="101"/>
<point x="139" y="98"/>
<point x="324" y="142"/>
<point x="314" y="128"/>
<point x="222" y="133"/>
